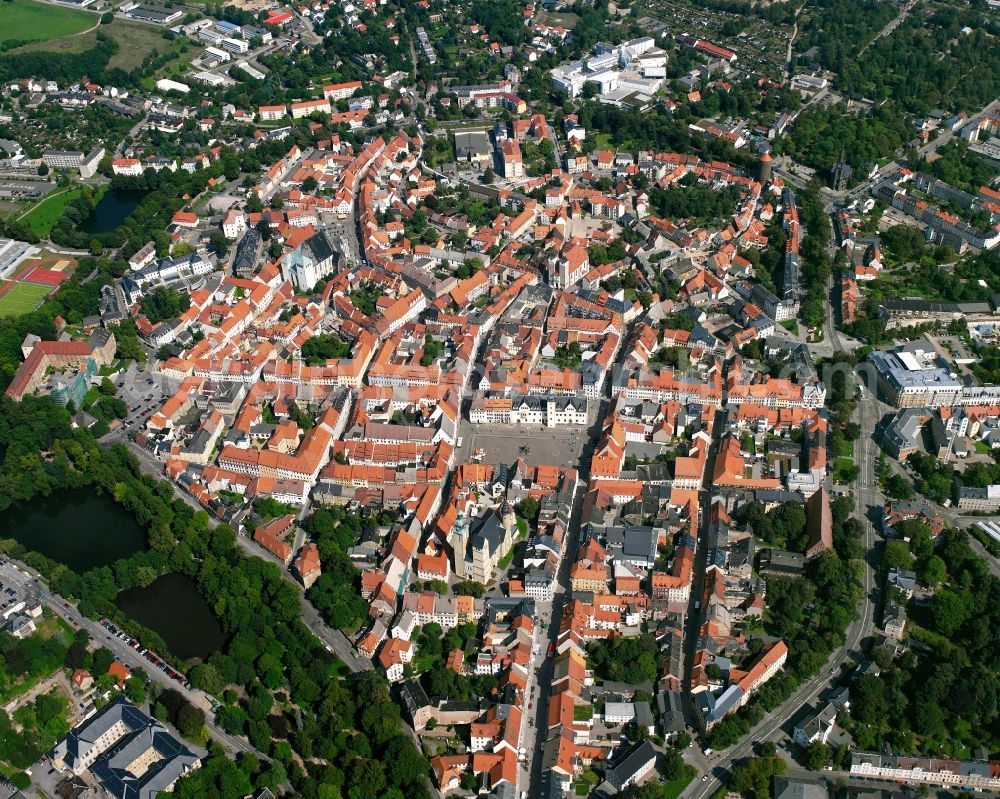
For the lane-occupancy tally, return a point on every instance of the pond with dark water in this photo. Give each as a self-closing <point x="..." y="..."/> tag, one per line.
<point x="112" y="209"/>
<point x="80" y="528"/>
<point x="173" y="607"/>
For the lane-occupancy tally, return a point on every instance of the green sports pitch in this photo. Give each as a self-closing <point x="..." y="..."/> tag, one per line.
<point x="21" y="298"/>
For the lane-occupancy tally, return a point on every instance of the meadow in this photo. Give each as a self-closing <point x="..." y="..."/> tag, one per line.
<point x="28" y="21"/>
<point x="135" y="42"/>
<point x="44" y="214"/>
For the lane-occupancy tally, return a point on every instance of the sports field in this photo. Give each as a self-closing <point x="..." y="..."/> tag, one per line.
<point x="20" y="298"/>
<point x="28" y="21"/>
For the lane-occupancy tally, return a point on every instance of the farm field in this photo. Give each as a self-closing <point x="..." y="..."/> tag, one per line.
<point x="26" y="20"/>
<point x="20" y="298"/>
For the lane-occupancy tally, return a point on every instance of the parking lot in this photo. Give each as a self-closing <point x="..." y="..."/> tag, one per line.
<point x="502" y="444"/>
<point x="19" y="586"/>
<point x="143" y="392"/>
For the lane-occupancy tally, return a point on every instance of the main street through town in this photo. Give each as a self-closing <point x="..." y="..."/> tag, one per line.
<point x="867" y="499"/>
<point x="533" y="741"/>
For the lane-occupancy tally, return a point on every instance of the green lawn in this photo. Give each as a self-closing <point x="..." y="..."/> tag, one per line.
<point x="422" y="663"/>
<point x="568" y="20"/>
<point x="115" y="366"/>
<point x="93" y="395"/>
<point x="46" y="212"/>
<point x="136" y="41"/>
<point x="506" y="560"/>
<point x="28" y="21"/>
<point x="21" y="298"/>
<point x="602" y="141"/>
<point x="337" y="667"/>
<point x="588" y="780"/>
<point x="791" y="326"/>
<point x="673" y="788"/>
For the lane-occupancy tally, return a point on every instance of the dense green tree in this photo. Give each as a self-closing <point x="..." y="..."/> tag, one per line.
<point x="318" y="349"/>
<point x="816" y="755"/>
<point x="673" y="764"/>
<point x="690" y="200"/>
<point x="932" y="570"/>
<point x="631" y="660"/>
<point x="101" y="661"/>
<point x="753" y="777"/>
<point x="897" y="555"/>
<point x="950" y="610"/>
<point x="164" y="303"/>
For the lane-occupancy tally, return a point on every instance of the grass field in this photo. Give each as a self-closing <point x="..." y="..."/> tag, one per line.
<point x="568" y="20"/>
<point x="28" y="21"/>
<point x="46" y="212"/>
<point x="21" y="298"/>
<point x="846" y="449"/>
<point x="674" y="788"/>
<point x="135" y="42"/>
<point x="602" y="141"/>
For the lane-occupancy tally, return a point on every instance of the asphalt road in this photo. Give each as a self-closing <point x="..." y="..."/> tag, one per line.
<point x="890" y="27"/>
<point x="131" y="136"/>
<point x="693" y="616"/>
<point x="535" y="713"/>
